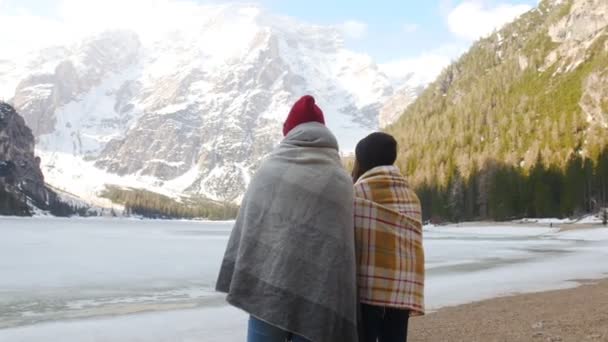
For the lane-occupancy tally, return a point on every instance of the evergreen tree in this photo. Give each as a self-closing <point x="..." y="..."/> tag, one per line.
<point x="13" y="204"/>
<point x="152" y="205"/>
<point x="491" y="138"/>
<point x="456" y="198"/>
<point x="574" y="183"/>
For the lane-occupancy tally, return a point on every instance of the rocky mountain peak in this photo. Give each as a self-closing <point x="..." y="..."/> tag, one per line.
<point x="192" y="110"/>
<point x="110" y="51"/>
<point x="21" y="177"/>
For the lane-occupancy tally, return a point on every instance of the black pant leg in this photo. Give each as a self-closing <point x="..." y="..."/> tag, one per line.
<point x="371" y="323"/>
<point x="395" y="325"/>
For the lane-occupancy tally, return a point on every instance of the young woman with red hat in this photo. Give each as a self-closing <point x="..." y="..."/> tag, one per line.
<point x="290" y="261"/>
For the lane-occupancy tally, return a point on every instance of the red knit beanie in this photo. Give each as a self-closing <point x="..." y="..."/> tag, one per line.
<point x="303" y="111"/>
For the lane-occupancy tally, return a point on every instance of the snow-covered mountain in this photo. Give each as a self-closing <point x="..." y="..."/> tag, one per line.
<point x="192" y="111"/>
<point x="404" y="95"/>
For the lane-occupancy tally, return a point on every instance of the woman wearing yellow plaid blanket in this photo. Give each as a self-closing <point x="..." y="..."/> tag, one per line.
<point x="388" y="231"/>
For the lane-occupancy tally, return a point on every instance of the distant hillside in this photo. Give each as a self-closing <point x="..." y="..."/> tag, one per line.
<point x="22" y="186"/>
<point x="519" y="125"/>
<point x="152" y="205"/>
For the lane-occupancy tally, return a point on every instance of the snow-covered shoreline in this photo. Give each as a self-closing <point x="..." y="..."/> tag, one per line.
<point x="140" y="280"/>
<point x="112" y="218"/>
<point x="588" y="220"/>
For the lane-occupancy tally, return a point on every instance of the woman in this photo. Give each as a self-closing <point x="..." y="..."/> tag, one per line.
<point x="388" y="233"/>
<point x="290" y="261"/>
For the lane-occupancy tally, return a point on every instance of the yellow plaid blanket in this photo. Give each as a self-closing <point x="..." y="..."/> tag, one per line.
<point x="388" y="232"/>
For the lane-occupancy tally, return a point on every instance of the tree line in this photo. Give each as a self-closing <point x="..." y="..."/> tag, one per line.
<point x="12" y="204"/>
<point x="498" y="191"/>
<point x="16" y="200"/>
<point x="153" y="205"/>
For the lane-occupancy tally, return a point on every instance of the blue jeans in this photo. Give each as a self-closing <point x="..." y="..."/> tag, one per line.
<point x="260" y="331"/>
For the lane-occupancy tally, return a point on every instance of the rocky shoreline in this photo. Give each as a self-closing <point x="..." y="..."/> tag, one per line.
<point x="578" y="314"/>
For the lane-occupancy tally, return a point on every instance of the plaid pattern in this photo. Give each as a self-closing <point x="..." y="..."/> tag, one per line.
<point x="388" y="232"/>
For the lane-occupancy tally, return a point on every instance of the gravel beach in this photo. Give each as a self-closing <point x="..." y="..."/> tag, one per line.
<point x="577" y="315"/>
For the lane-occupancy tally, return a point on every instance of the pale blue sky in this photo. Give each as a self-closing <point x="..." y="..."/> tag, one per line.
<point x="395" y="28"/>
<point x="387" y="30"/>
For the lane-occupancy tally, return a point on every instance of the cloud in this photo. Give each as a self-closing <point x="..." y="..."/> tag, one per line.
<point x="354" y="29"/>
<point x="445" y="6"/>
<point x="471" y="20"/>
<point x="23" y="32"/>
<point x="146" y="17"/>
<point x="422" y="69"/>
<point x="72" y="20"/>
<point x="76" y="19"/>
<point x="410" y="28"/>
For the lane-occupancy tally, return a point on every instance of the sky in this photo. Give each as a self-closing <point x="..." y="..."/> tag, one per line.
<point x="396" y="33"/>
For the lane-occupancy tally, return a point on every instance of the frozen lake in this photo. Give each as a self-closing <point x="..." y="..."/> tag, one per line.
<point x="129" y="280"/>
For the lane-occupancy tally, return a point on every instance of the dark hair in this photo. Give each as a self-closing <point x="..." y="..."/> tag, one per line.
<point x="377" y="149"/>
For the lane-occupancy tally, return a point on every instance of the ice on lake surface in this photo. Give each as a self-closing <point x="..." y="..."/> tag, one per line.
<point x="130" y="280"/>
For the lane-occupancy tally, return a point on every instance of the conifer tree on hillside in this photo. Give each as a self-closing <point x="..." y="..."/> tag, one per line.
<point x="514" y="128"/>
<point x="152" y="205"/>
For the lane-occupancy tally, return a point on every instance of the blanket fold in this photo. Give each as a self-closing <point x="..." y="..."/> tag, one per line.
<point x="388" y="231"/>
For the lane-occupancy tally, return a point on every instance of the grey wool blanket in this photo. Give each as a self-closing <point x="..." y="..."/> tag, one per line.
<point x="290" y="260"/>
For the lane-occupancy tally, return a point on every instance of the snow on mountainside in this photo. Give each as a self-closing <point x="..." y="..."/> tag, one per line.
<point x="192" y="111"/>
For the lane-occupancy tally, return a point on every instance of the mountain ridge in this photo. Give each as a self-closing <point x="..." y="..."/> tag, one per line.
<point x="22" y="187"/>
<point x="122" y="109"/>
<point x="528" y="102"/>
